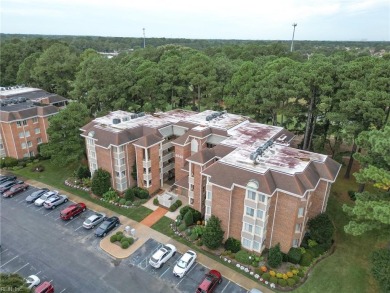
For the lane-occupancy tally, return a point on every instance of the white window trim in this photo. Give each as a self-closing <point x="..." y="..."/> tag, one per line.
<point x="254" y="211"/>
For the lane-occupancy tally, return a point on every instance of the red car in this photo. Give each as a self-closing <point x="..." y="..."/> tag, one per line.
<point x="20" y="186"/>
<point x="210" y="281"/>
<point x="72" y="211"/>
<point x="45" y="287"/>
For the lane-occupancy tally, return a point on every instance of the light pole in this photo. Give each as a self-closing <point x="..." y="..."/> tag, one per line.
<point x="292" y="41"/>
<point x="144" y="36"/>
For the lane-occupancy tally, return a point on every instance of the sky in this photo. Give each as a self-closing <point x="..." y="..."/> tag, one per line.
<point x="334" y="20"/>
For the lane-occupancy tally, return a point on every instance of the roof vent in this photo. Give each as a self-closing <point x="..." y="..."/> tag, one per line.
<point x="116" y="121"/>
<point x="133" y="116"/>
<point x="141" y="114"/>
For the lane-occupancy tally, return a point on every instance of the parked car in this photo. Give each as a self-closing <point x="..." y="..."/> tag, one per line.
<point x="4" y="178"/>
<point x="36" y="194"/>
<point x="15" y="189"/>
<point x="45" y="287"/>
<point x="94" y="220"/>
<point x="209" y="282"/>
<point x="107" y="226"/>
<point x="162" y="255"/>
<point x="39" y="201"/>
<point x="55" y="201"/>
<point x="7" y="185"/>
<point x="184" y="264"/>
<point x="32" y="281"/>
<point x="73" y="210"/>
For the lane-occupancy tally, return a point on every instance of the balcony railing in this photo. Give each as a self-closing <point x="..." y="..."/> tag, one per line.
<point x="147" y="164"/>
<point x="148" y="176"/>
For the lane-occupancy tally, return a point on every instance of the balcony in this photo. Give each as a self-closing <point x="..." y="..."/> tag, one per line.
<point x="168" y="156"/>
<point x="166" y="146"/>
<point x="190" y="180"/>
<point x="146" y="164"/>
<point x="168" y="167"/>
<point x="147" y="177"/>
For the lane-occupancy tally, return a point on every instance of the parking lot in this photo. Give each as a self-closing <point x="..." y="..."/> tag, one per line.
<point x="188" y="283"/>
<point x="35" y="240"/>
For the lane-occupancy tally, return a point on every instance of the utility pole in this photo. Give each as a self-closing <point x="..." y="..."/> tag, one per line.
<point x="292" y="41"/>
<point x="144" y="36"/>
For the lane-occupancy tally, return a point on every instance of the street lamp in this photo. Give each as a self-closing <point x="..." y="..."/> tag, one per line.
<point x="292" y="41"/>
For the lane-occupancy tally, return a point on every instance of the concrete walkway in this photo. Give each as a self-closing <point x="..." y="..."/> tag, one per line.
<point x="143" y="233"/>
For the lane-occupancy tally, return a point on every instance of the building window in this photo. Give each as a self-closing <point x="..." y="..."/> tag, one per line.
<point x="209" y="195"/>
<point x="1" y="146"/>
<point x="21" y="134"/>
<point x="246" y="243"/>
<point x="295" y="243"/>
<point x="192" y="187"/>
<point x="123" y="174"/>
<point x="93" y="166"/>
<point x="35" y="120"/>
<point x="32" y="154"/>
<point x="262" y="198"/>
<point x="260" y="214"/>
<point x="23" y="145"/>
<point x="122" y="161"/>
<point x="208" y="210"/>
<point x="92" y="154"/>
<point x="300" y="212"/>
<point x="37" y="130"/>
<point x="90" y="141"/>
<point x="298" y="227"/>
<point x="29" y="144"/>
<point x="258" y="230"/>
<point x="117" y="174"/>
<point x="251" y="195"/>
<point x="24" y="122"/>
<point x="248" y="227"/>
<point x="250" y="212"/>
<point x="18" y="123"/>
<point x="27" y="133"/>
<point x="256" y="245"/>
<point x="39" y="140"/>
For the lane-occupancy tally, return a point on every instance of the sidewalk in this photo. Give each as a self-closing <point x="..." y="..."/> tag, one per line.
<point x="143" y="233"/>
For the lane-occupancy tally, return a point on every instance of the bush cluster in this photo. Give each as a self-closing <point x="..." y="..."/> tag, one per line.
<point x="101" y="182"/>
<point x="122" y="201"/>
<point x="307" y="258"/>
<point x="294" y="255"/>
<point x="275" y="256"/>
<point x="321" y="228"/>
<point x="155" y="201"/>
<point x="83" y="172"/>
<point x="242" y="256"/>
<point x="197" y="216"/>
<point x="8" y="162"/>
<point x="232" y="244"/>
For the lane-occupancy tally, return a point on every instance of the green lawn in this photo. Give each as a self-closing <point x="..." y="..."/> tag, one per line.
<point x="56" y="176"/>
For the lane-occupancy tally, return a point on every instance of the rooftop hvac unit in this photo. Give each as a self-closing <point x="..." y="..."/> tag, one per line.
<point x="133" y="116"/>
<point x="141" y="114"/>
<point x="116" y="121"/>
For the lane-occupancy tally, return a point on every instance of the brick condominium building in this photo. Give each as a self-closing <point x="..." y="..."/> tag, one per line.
<point x="245" y="173"/>
<point x="24" y="117"/>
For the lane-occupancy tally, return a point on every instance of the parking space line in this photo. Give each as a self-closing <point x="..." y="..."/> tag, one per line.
<point x="38" y="273"/>
<point x="21" y="201"/>
<point x="8" y="261"/>
<point x="180" y="281"/>
<point x="57" y="218"/>
<point x="49" y="212"/>
<point x="4" y="251"/>
<point x="63" y="290"/>
<point x="50" y="281"/>
<point x="70" y="221"/>
<point x="40" y="208"/>
<point x="164" y="272"/>
<point x="78" y="228"/>
<point x="225" y="287"/>
<point x="191" y="268"/>
<point x="21" y="267"/>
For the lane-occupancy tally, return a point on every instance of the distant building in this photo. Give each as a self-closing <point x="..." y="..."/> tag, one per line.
<point x="245" y="173"/>
<point x="24" y="117"/>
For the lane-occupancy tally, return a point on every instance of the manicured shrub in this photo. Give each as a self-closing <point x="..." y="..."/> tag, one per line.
<point x="173" y="207"/>
<point x="197" y="216"/>
<point x="296" y="278"/>
<point x="311" y="243"/>
<point x="188" y="218"/>
<point x="317" y="250"/>
<point x="119" y="233"/>
<point x="141" y="193"/>
<point x="119" y="237"/>
<point x="179" y="203"/>
<point x="213" y="233"/>
<point x="291" y="282"/>
<point x="193" y="236"/>
<point x="273" y="280"/>
<point x="113" y="238"/>
<point x="122" y="201"/>
<point x="188" y="232"/>
<point x="182" y="227"/>
<point x="306" y="259"/>
<point x="266" y="276"/>
<point x="101" y="182"/>
<point x="294" y="255"/>
<point x="289" y="274"/>
<point x="321" y="228"/>
<point x="110" y="195"/>
<point x="284" y="257"/>
<point x="242" y="256"/>
<point x="380" y="260"/>
<point x="155" y="201"/>
<point x="130" y="240"/>
<point x="8" y="162"/>
<point x="278" y="275"/>
<point x="275" y="256"/>
<point x="285" y="276"/>
<point x="128" y="203"/>
<point x="198" y="230"/>
<point x="282" y="282"/>
<point x="301" y="274"/>
<point x="125" y="244"/>
<point x="83" y="172"/>
<point x="129" y="194"/>
<point x="272" y="273"/>
<point x="232" y="244"/>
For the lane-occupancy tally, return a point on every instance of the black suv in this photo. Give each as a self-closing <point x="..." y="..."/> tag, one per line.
<point x="4" y="178"/>
<point x="107" y="226"/>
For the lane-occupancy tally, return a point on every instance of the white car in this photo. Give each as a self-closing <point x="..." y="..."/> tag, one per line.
<point x="94" y="220"/>
<point x="45" y="197"/>
<point x="32" y="281"/>
<point x="54" y="201"/>
<point x="161" y="256"/>
<point x="184" y="264"/>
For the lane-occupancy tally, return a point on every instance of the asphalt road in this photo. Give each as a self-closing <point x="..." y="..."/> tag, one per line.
<point x="36" y="241"/>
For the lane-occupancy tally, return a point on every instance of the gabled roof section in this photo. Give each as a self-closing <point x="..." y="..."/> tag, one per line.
<point x="26" y="112"/>
<point x="148" y="140"/>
